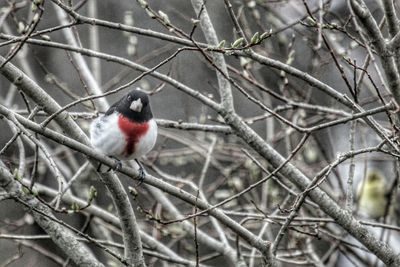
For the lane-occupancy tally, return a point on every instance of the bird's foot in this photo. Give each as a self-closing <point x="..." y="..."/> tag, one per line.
<point x="99" y="167"/>
<point x="118" y="164"/>
<point x="142" y="173"/>
<point x="116" y="168"/>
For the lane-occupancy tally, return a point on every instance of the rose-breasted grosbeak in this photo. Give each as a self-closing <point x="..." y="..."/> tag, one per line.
<point x="127" y="130"/>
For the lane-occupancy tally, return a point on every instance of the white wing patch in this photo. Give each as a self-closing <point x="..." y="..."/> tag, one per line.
<point x="106" y="136"/>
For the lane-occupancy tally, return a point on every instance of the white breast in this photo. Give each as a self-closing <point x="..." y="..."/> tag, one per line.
<point x="147" y="141"/>
<point x="106" y="136"/>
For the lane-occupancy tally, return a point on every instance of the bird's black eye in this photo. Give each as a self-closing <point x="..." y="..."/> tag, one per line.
<point x="129" y="98"/>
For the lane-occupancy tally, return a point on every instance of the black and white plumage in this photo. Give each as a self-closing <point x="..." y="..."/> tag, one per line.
<point x="127" y="130"/>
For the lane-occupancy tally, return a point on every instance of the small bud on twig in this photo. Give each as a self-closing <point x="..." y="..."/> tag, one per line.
<point x="238" y="42"/>
<point x="164" y="17"/>
<point x="143" y="3"/>
<point x="221" y="44"/>
<point x="255" y="39"/>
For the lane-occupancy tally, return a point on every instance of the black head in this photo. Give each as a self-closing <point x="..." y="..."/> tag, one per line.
<point x="135" y="106"/>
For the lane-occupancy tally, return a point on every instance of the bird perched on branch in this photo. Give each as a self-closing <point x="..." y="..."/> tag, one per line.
<point x="127" y="130"/>
<point x="372" y="195"/>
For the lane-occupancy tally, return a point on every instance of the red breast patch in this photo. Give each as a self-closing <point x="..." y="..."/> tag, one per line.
<point x="132" y="131"/>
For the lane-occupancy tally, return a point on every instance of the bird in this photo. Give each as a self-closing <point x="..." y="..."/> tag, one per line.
<point x="127" y="130"/>
<point x="372" y="195"/>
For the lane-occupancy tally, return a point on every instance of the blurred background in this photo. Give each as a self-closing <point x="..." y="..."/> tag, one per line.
<point x="292" y="36"/>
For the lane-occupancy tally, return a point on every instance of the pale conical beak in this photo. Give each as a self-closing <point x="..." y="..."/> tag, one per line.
<point x="136" y="105"/>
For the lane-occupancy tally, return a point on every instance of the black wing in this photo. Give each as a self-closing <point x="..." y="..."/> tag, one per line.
<point x="112" y="109"/>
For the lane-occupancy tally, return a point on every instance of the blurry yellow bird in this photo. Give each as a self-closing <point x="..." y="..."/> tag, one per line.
<point x="372" y="195"/>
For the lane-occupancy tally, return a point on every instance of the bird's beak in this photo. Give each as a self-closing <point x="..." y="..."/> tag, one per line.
<point x="136" y="105"/>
